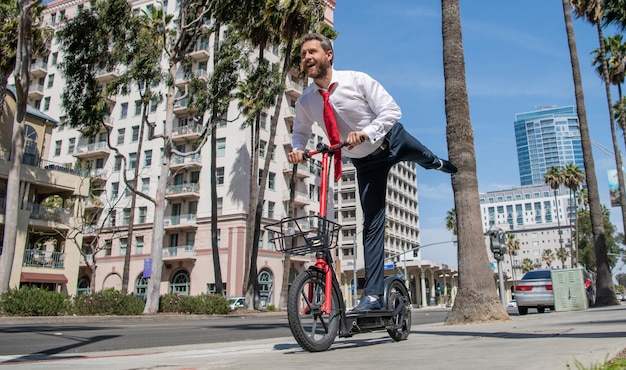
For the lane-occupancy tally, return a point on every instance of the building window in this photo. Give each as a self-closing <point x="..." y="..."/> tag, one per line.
<point x="270" y="209"/>
<point x="135" y="137"/>
<point x="145" y="184"/>
<point x="46" y="103"/>
<point x="124" y="111"/>
<point x="219" y="174"/>
<point x="132" y="159"/>
<point x="117" y="163"/>
<point x="271" y="181"/>
<point x="153" y="105"/>
<point x="57" y="147"/>
<point x="126" y="216"/>
<point x="221" y="147"/>
<point x="107" y="248"/>
<point x="219" y="206"/>
<point x="50" y="80"/>
<point x="141" y="287"/>
<point x="84" y="286"/>
<point x="262" y="147"/>
<point x="143" y="211"/>
<point x="121" y="132"/>
<point x="123" y="246"/>
<point x="180" y="283"/>
<point x="139" y="245"/>
<point x="147" y="162"/>
<point x="115" y="189"/>
<point x="71" y="145"/>
<point x="137" y="107"/>
<point x="55" y="57"/>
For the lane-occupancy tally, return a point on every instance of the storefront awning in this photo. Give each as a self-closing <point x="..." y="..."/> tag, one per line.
<point x="37" y="277"/>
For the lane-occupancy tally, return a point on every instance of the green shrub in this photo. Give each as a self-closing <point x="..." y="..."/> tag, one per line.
<point x="172" y="302"/>
<point x="108" y="302"/>
<point x="34" y="302"/>
<point x="212" y="304"/>
<point x="204" y="304"/>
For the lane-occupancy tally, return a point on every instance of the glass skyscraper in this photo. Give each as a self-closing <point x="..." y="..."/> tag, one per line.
<point x="544" y="138"/>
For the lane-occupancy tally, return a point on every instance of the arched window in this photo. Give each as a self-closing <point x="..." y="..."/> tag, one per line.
<point x="83" y="285"/>
<point x="266" y="286"/>
<point x="140" y="287"/>
<point x="180" y="283"/>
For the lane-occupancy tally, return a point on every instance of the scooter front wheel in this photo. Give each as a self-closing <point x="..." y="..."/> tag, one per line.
<point x="314" y="330"/>
<point x="399" y="303"/>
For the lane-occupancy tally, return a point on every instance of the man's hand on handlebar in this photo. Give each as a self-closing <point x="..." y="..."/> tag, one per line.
<point x="296" y="157"/>
<point x="355" y="138"/>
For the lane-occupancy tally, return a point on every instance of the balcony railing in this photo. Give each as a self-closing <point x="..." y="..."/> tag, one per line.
<point x="101" y="145"/>
<point x="181" y="250"/>
<point x="189" y="218"/>
<point x="194" y="158"/>
<point x="39" y="258"/>
<point x="39" y="212"/>
<point x="183" y="188"/>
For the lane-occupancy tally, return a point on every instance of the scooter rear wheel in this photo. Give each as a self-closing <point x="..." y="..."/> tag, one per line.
<point x="314" y="330"/>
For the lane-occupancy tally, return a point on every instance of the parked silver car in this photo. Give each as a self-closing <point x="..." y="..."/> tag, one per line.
<point x="534" y="291"/>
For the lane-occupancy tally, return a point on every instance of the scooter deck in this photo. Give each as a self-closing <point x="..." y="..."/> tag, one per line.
<point x="368" y="313"/>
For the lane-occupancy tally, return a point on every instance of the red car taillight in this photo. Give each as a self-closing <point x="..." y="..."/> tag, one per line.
<point x="524" y="288"/>
<point x="587" y="283"/>
<point x="549" y="287"/>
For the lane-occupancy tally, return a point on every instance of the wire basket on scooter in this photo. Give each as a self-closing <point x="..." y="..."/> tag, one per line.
<point x="304" y="235"/>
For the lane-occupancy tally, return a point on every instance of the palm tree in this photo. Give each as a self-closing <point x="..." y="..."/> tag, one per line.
<point x="527" y="265"/>
<point x="451" y="221"/>
<point x="615" y="13"/>
<point x="476" y="283"/>
<point x="573" y="178"/>
<point x="548" y="256"/>
<point x="513" y="246"/>
<point x="554" y="178"/>
<point x="604" y="282"/>
<point x="562" y="254"/>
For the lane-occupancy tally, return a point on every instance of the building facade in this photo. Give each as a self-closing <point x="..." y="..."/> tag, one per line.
<point x="538" y="219"/>
<point x="545" y="138"/>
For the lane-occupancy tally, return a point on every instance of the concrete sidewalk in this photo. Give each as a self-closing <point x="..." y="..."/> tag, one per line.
<point x="554" y="340"/>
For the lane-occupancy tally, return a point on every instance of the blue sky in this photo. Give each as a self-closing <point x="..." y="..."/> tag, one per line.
<point x="517" y="59"/>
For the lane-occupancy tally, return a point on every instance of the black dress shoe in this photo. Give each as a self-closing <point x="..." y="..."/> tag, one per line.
<point x="447" y="167"/>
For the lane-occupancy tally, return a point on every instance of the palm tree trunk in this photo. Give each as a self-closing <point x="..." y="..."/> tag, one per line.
<point x="475" y="277"/>
<point x="604" y="282"/>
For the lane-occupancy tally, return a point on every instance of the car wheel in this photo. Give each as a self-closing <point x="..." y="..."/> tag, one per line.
<point x="541" y="309"/>
<point x="522" y="310"/>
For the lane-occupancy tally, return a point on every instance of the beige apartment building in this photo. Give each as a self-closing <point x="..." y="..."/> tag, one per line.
<point x="187" y="254"/>
<point x="47" y="250"/>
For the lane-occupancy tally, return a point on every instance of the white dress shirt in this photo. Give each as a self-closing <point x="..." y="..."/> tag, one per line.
<point x="360" y="104"/>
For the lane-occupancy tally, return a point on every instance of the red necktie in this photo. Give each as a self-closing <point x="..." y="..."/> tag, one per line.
<point x="331" y="128"/>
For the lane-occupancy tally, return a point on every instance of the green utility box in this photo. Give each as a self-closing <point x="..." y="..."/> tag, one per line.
<point x="568" y="286"/>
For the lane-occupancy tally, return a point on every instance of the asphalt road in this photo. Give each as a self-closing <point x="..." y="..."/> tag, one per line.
<point x="78" y="335"/>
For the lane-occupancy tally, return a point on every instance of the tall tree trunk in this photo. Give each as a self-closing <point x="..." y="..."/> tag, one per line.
<point x="215" y="252"/>
<point x="133" y="201"/>
<point x="604" y="283"/>
<point x="476" y="300"/>
<point x="14" y="195"/>
<point x="158" y="233"/>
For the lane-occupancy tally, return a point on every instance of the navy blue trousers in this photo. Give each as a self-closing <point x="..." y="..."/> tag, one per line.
<point x="372" y="172"/>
